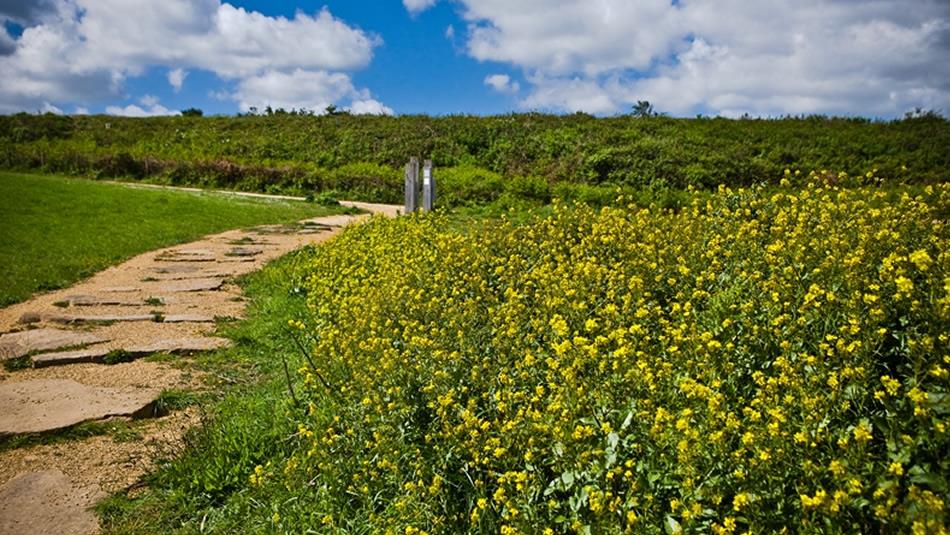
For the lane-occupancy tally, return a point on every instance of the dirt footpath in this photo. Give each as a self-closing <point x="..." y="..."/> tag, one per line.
<point x="59" y="345"/>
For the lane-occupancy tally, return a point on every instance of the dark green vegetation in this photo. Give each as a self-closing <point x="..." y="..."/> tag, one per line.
<point x="56" y="230"/>
<point x="245" y="426"/>
<point x="530" y="157"/>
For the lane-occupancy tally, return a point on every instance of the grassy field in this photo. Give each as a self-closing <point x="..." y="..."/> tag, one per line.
<point x="56" y="230"/>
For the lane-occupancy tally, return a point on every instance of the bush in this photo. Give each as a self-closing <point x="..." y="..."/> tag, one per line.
<point x="273" y="152"/>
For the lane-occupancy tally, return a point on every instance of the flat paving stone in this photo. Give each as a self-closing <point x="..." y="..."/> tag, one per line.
<point x="187" y="318"/>
<point x="47" y="502"/>
<point x="200" y="275"/>
<point x="105" y="318"/>
<point x="249" y="240"/>
<point x="15" y="345"/>
<point x="191" y="252"/>
<point x="192" y="285"/>
<point x="176" y="269"/>
<point x="243" y="251"/>
<point x="273" y="229"/>
<point x="188" y="344"/>
<point x="30" y="317"/>
<point x="121" y="289"/>
<point x="42" y="405"/>
<point x="93" y="300"/>
<point x="184" y="259"/>
<point x="190" y="255"/>
<point x="62" y="358"/>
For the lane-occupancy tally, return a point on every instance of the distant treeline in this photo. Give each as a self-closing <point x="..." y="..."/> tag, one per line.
<point x="478" y="159"/>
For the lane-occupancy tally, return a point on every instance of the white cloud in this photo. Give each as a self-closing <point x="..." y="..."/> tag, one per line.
<point x="571" y="94"/>
<point x="573" y="36"/>
<point x="80" y="110"/>
<point x="450" y="32"/>
<point x="369" y="107"/>
<point x="176" y="78"/>
<point x="49" y="108"/>
<point x="25" y="11"/>
<point x="727" y="56"/>
<point x="418" y="6"/>
<point x="148" y="100"/>
<point x="135" y="111"/>
<point x="83" y="50"/>
<point x="301" y="89"/>
<point x="221" y="38"/>
<point x="7" y="43"/>
<point x="502" y="83"/>
<point x="312" y="90"/>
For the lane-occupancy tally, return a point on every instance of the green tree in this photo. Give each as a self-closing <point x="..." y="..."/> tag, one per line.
<point x="643" y="108"/>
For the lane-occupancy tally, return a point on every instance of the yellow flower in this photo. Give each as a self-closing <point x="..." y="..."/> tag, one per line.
<point x="836" y="468"/>
<point x="890" y="384"/>
<point x="740" y="500"/>
<point x="904" y="285"/>
<point x="862" y="432"/>
<point x="921" y="259"/>
<point x="896" y="469"/>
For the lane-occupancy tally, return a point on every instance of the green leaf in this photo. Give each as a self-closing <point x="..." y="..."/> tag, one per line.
<point x="613" y="439"/>
<point x="672" y="526"/>
<point x="568" y="479"/>
<point x="626" y="421"/>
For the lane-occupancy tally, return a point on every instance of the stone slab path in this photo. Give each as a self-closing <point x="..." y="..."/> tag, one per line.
<point x="19" y="344"/>
<point x="51" y="493"/>
<point x="164" y="301"/>
<point x="43" y="405"/>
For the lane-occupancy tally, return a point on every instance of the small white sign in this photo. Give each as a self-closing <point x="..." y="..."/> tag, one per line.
<point x="426" y="176"/>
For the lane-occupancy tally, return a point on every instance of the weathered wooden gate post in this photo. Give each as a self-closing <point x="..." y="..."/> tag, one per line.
<point x="412" y="188"/>
<point x="428" y="187"/>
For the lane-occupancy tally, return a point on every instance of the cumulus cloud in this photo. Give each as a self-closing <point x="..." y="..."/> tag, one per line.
<point x="573" y="94"/>
<point x="148" y="100"/>
<point x="135" y="111"/>
<point x="25" y="11"/>
<point x="502" y="83"/>
<point x="176" y="78"/>
<point x="300" y="89"/>
<point x="418" y="6"/>
<point x="369" y="107"/>
<point x="49" y="108"/>
<point x="723" y="57"/>
<point x="7" y="44"/>
<point x="83" y="50"/>
<point x="305" y="89"/>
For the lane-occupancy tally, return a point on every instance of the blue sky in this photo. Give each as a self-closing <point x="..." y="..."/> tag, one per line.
<point x="688" y="57"/>
<point x="416" y="68"/>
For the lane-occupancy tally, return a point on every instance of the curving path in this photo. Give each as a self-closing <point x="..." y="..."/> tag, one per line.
<point x="57" y="344"/>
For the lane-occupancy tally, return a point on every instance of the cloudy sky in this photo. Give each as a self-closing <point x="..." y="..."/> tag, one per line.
<point x="876" y="58"/>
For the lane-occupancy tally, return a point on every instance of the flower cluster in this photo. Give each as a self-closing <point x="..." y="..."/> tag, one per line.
<point x="759" y="359"/>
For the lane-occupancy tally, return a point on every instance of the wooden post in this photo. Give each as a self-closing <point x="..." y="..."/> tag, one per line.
<point x="428" y="187"/>
<point x="412" y="181"/>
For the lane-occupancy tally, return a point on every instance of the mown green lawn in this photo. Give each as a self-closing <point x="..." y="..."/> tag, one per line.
<point x="55" y="231"/>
